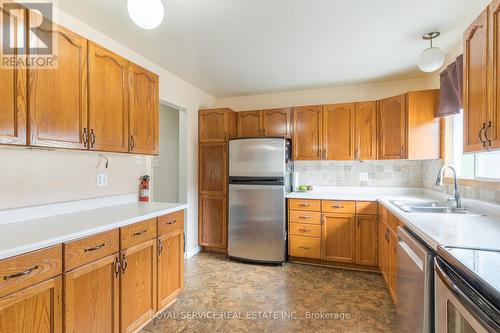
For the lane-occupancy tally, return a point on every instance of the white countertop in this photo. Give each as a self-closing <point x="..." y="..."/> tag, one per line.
<point x="31" y="234"/>
<point x="469" y="230"/>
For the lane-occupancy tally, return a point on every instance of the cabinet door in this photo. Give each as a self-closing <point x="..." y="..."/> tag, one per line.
<point x="92" y="297"/>
<point x="144" y="103"/>
<point x="212" y="217"/>
<point x="13" y="89"/>
<point x="365" y="127"/>
<point x="393" y="266"/>
<point x="138" y="285"/>
<point x="476" y="83"/>
<point x="339" y="237"/>
<point x="35" y="309"/>
<point x="249" y="124"/>
<point x="338" y="132"/>
<point x="384" y="253"/>
<point x="277" y="122"/>
<point x="213" y="125"/>
<point x="108" y="100"/>
<point x="392" y="128"/>
<point x="212" y="168"/>
<point x="170" y="266"/>
<point x="307" y="134"/>
<point x="58" y="97"/>
<point x="367" y="240"/>
<point x="493" y="133"/>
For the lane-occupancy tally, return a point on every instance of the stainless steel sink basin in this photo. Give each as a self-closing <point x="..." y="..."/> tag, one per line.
<point x="427" y="207"/>
<point x="430" y="204"/>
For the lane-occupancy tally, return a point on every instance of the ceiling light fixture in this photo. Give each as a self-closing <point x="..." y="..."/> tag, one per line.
<point x="147" y="14"/>
<point x="432" y="58"/>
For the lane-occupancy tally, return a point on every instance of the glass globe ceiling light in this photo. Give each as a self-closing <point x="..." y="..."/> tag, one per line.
<point x="432" y="58"/>
<point x="147" y="14"/>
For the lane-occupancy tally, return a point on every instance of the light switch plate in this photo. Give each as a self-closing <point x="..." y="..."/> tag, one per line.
<point x="363" y="176"/>
<point x="102" y="179"/>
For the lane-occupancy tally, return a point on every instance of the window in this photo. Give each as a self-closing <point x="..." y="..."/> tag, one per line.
<point x="482" y="165"/>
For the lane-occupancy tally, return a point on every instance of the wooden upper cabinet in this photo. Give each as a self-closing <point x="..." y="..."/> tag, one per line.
<point x="213" y="168"/>
<point x="392" y="128"/>
<point x="367" y="240"/>
<point x="338" y="132"/>
<point x="249" y="124"/>
<point x="58" y="97"/>
<point x="212" y="212"/>
<point x="216" y="125"/>
<point x="34" y="309"/>
<point x="307" y="133"/>
<point x="138" y="285"/>
<point x="92" y="297"/>
<point x="170" y="266"/>
<point x="493" y="132"/>
<point x="365" y="131"/>
<point x="144" y="104"/>
<point x="108" y="100"/>
<point x="13" y="91"/>
<point x="277" y="122"/>
<point x="339" y="242"/>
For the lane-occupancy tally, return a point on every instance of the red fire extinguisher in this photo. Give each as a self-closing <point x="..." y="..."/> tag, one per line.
<point x="144" y="189"/>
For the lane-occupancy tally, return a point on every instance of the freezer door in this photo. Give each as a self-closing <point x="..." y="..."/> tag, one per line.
<point x="257" y="229"/>
<point x="257" y="157"/>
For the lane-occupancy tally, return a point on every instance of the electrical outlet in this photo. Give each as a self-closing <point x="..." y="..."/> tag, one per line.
<point x="139" y="160"/>
<point x="363" y="176"/>
<point x="102" y="179"/>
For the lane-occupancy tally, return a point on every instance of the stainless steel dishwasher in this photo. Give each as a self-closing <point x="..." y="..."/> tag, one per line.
<point x="415" y="285"/>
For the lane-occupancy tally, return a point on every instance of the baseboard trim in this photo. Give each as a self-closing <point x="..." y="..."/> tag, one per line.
<point x="192" y="252"/>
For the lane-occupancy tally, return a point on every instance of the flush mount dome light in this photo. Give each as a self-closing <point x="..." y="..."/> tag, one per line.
<point x="432" y="58"/>
<point x="147" y="14"/>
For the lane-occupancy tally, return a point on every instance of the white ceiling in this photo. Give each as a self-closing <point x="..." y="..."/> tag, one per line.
<point x="242" y="47"/>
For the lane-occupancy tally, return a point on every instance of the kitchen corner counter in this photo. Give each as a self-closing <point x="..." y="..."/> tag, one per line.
<point x="31" y="234"/>
<point x="473" y="230"/>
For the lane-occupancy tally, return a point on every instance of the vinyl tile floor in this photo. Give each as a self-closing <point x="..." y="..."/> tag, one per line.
<point x="222" y="295"/>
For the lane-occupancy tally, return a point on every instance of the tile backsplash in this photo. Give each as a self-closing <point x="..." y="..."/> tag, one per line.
<point x="353" y="173"/>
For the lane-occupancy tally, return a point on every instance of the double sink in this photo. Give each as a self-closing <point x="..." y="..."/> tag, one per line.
<point x="427" y="207"/>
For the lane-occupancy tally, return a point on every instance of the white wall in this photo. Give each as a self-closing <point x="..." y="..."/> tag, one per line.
<point x="165" y="176"/>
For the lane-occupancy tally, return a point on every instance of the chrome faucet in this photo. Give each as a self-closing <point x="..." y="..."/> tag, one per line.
<point x="439" y="182"/>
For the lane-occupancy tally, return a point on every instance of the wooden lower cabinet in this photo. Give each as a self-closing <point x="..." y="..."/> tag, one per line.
<point x="92" y="297"/>
<point x="37" y="309"/>
<point x="393" y="265"/>
<point x="339" y="238"/>
<point x="366" y="240"/>
<point x="305" y="247"/>
<point x="212" y="217"/>
<point x="138" y="285"/>
<point x="384" y="246"/>
<point x="170" y="266"/>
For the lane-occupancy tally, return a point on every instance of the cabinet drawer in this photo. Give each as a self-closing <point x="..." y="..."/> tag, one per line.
<point x="305" y="217"/>
<point x="305" y="247"/>
<point x="366" y="207"/>
<point x="304" y="204"/>
<point x="26" y="270"/>
<point x="301" y="229"/>
<point x="137" y="233"/>
<point x="346" y="207"/>
<point x="83" y="251"/>
<point x="170" y="222"/>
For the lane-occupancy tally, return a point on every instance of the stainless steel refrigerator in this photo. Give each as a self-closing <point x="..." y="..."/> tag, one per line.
<point x="259" y="179"/>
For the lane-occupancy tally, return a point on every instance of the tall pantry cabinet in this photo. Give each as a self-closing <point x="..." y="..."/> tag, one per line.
<point x="216" y="127"/>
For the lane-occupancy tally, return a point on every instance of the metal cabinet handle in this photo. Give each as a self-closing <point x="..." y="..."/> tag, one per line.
<point x="304" y="247"/>
<point x="481" y="133"/>
<point x="401" y="152"/>
<point x="305" y="230"/>
<point x="117" y="266"/>
<point x="124" y="264"/>
<point x="95" y="248"/>
<point x="387" y="235"/>
<point x="305" y="205"/>
<point x="23" y="273"/>
<point x="140" y="233"/>
<point x="92" y="138"/>
<point x="356" y="153"/>
<point x="172" y="222"/>
<point x="337" y="206"/>
<point x="486" y="133"/>
<point x="160" y="247"/>
<point x="132" y="143"/>
<point x="85" y="137"/>
<point x="304" y="217"/>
